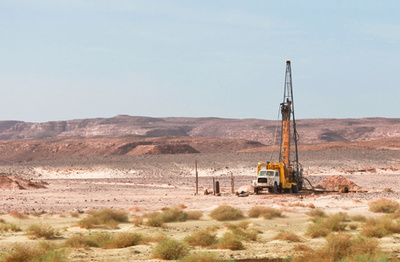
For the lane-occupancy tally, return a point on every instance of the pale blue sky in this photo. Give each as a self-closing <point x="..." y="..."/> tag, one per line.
<point x="70" y="59"/>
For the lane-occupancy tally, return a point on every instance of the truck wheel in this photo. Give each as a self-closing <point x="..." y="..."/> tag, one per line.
<point x="256" y="190"/>
<point x="269" y="190"/>
<point x="275" y="189"/>
<point x="295" y="189"/>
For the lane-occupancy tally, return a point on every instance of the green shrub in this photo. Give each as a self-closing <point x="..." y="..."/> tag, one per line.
<point x="80" y="241"/>
<point x="288" y="236"/>
<point x="169" y="249"/>
<point x="267" y="212"/>
<point x="41" y="231"/>
<point x="201" y="238"/>
<point x="380" y="227"/>
<point x="225" y="213"/>
<point x="323" y="226"/>
<point x="107" y="217"/>
<point x="203" y="257"/>
<point x="383" y="205"/>
<point x="230" y="241"/>
<point x="194" y="215"/>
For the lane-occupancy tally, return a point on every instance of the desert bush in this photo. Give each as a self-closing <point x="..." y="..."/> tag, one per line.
<point x="124" y="239"/>
<point x="194" y="215"/>
<point x="315" y="213"/>
<point x="353" y="226"/>
<point x="310" y="205"/>
<point x="80" y="241"/>
<point x="75" y="214"/>
<point x="203" y="257"/>
<point x="302" y="248"/>
<point x="343" y="247"/>
<point x="383" y="205"/>
<point x="230" y="241"/>
<point x="358" y="218"/>
<point x="225" y="213"/>
<point x="288" y="236"/>
<point x="323" y="226"/>
<point x="5" y="227"/>
<point x="41" y="231"/>
<point x="273" y="213"/>
<point x="201" y="238"/>
<point x="380" y="227"/>
<point x="169" y="249"/>
<point x="137" y="220"/>
<point x="39" y="253"/>
<point x="257" y="211"/>
<point x="241" y="233"/>
<point x="174" y="214"/>
<point x="154" y="219"/>
<point x="107" y="217"/>
<point x="17" y="214"/>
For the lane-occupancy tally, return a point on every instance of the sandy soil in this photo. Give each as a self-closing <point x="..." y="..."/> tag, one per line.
<point x="141" y="184"/>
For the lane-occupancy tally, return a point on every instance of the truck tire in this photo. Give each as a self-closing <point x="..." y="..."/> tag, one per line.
<point x="256" y="191"/>
<point x="295" y="189"/>
<point x="275" y="189"/>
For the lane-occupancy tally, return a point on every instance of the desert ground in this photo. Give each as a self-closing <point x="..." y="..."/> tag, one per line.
<point x="148" y="183"/>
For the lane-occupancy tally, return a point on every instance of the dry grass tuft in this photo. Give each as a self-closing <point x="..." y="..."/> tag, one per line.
<point x="203" y="257"/>
<point x="288" y="236"/>
<point x="105" y="217"/>
<point x="229" y="241"/>
<point x="226" y="213"/>
<point x="358" y="218"/>
<point x="201" y="238"/>
<point x="194" y="215"/>
<point x="242" y="233"/>
<point x="9" y="227"/>
<point x="266" y="212"/>
<point x="323" y="226"/>
<point x="169" y="249"/>
<point x="383" y="205"/>
<point x="316" y="213"/>
<point x="344" y="247"/>
<point x="43" y="252"/>
<point x="41" y="231"/>
<point x="380" y="227"/>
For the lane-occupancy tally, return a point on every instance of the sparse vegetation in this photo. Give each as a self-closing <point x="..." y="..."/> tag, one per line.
<point x="383" y="205"/>
<point x="41" y="231"/>
<point x="226" y="213"/>
<point x="105" y="240"/>
<point x="201" y="238"/>
<point x="316" y="213"/>
<point x="380" y="227"/>
<point x="43" y="252"/>
<point x="344" y="247"/>
<point x="203" y="257"/>
<point x="194" y="215"/>
<point x="242" y="233"/>
<point x="106" y="217"/>
<point x="169" y="249"/>
<point x="230" y="241"/>
<point x="358" y="218"/>
<point x="323" y="226"/>
<point x="7" y="227"/>
<point x="288" y="236"/>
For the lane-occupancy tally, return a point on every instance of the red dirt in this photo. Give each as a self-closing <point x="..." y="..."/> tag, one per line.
<point x="332" y="183"/>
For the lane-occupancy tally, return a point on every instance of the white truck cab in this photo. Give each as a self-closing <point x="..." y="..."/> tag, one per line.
<point x="266" y="179"/>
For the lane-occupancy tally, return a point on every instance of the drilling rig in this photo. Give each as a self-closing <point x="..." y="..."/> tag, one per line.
<point x="285" y="175"/>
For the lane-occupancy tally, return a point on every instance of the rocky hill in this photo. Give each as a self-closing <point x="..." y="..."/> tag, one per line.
<point x="310" y="130"/>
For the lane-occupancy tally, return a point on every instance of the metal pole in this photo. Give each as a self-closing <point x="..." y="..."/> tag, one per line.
<point x="197" y="180"/>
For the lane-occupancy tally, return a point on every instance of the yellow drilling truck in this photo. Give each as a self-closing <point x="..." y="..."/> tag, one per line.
<point x="285" y="175"/>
